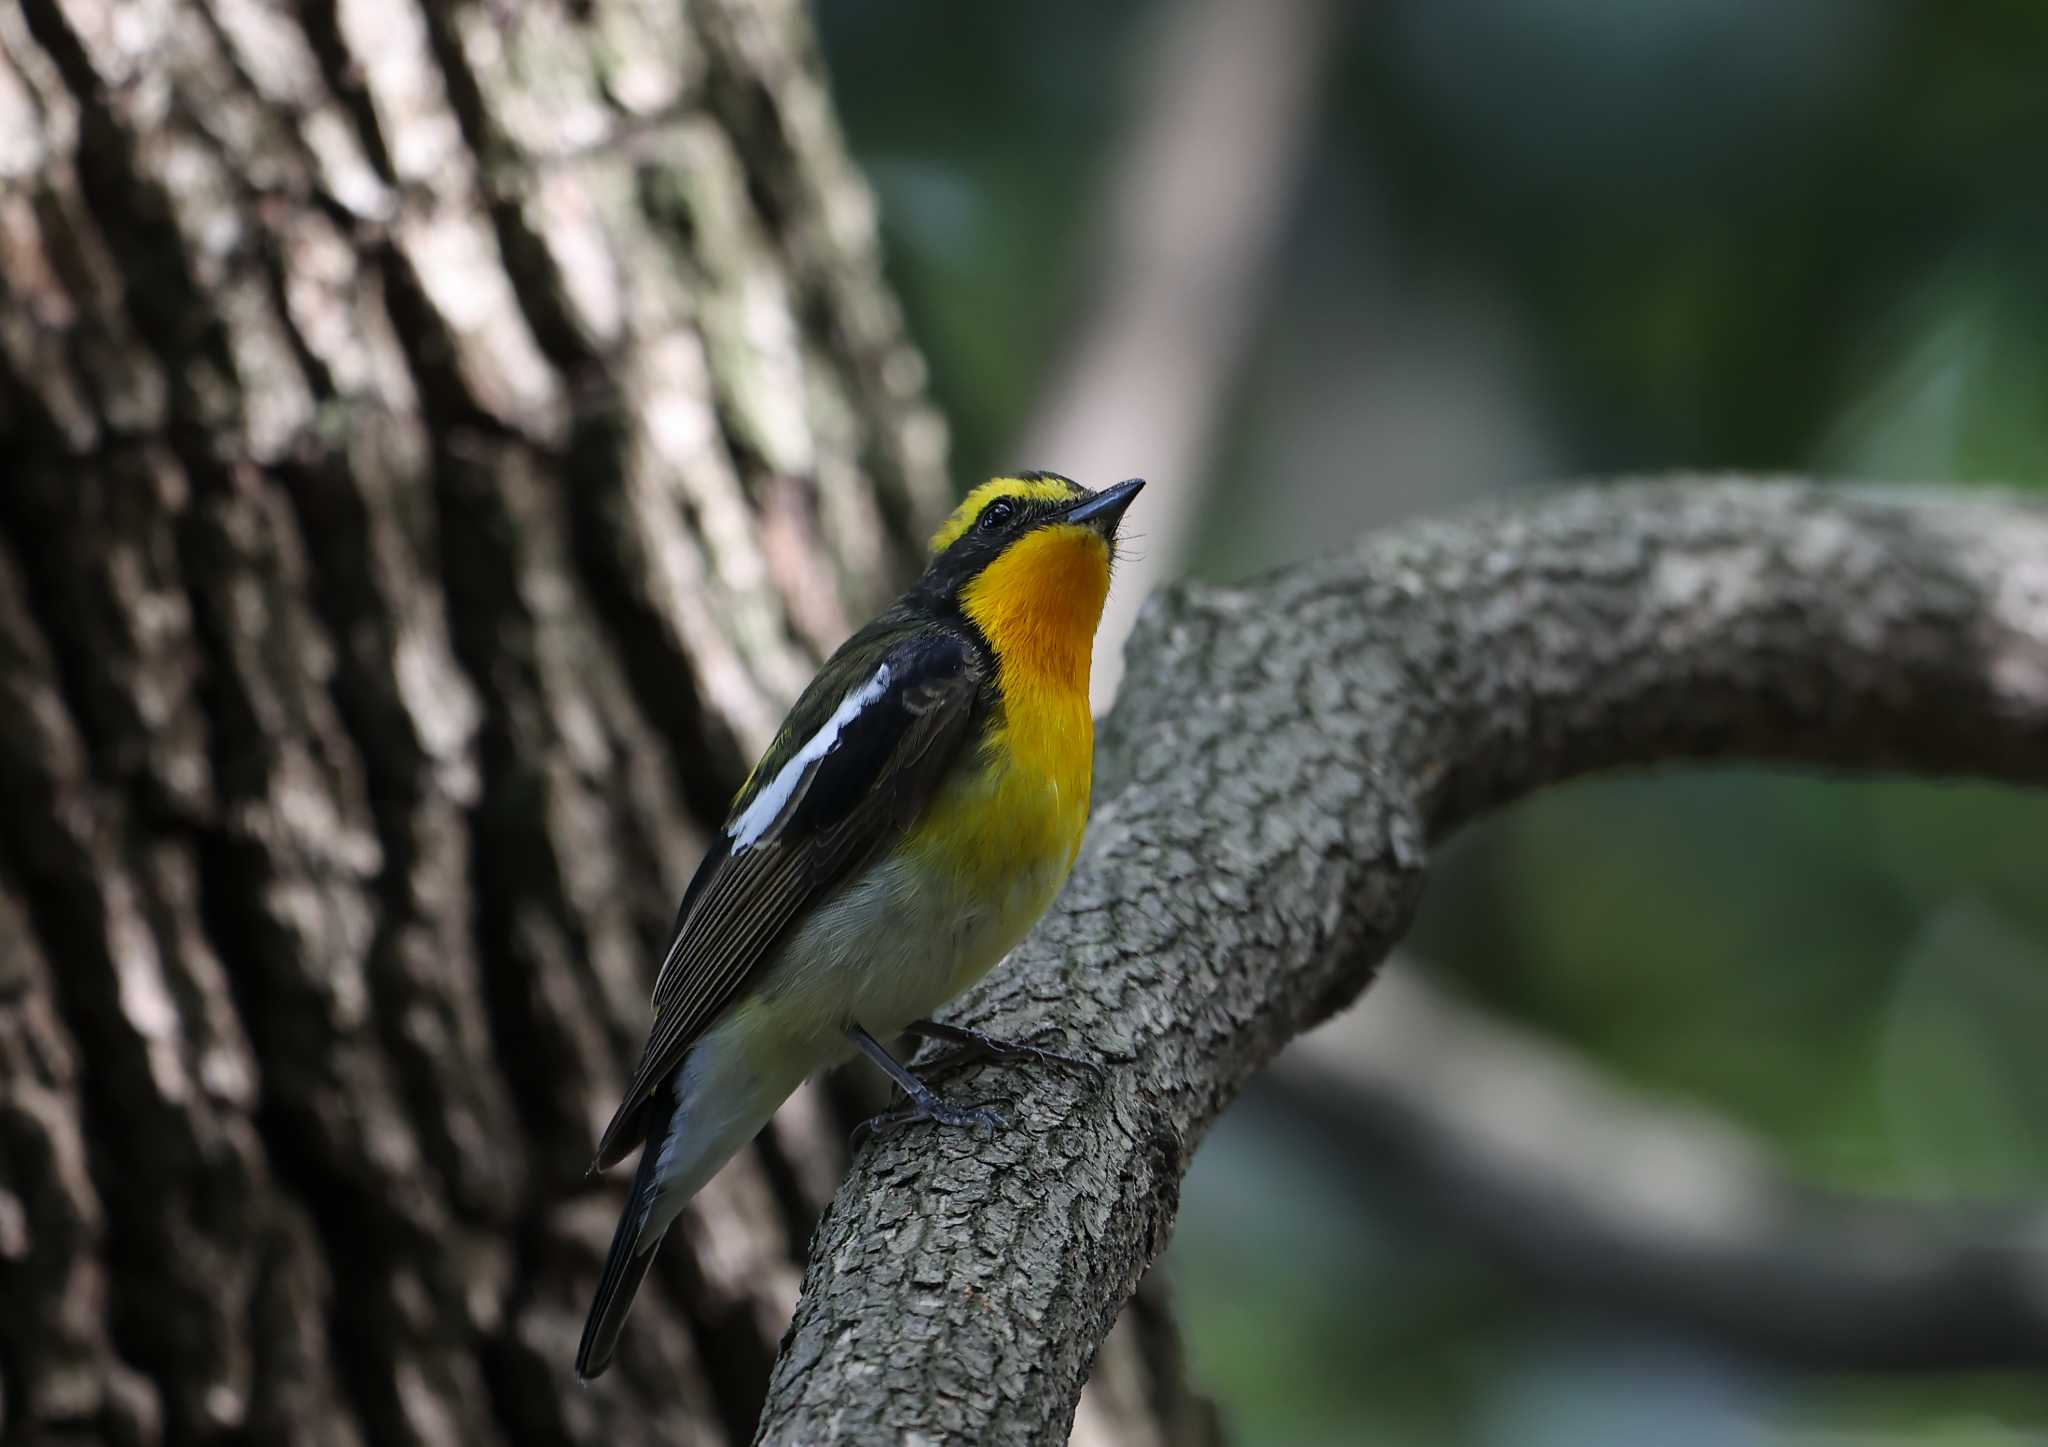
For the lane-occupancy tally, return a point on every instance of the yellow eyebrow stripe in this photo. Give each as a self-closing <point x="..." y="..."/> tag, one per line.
<point x="1024" y="489"/>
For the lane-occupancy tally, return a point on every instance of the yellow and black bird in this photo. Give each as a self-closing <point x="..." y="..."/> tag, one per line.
<point x="914" y="816"/>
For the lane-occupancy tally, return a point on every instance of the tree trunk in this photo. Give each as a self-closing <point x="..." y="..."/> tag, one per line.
<point x="437" y="443"/>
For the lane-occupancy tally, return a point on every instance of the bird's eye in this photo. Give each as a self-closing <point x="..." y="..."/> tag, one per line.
<point x="997" y="515"/>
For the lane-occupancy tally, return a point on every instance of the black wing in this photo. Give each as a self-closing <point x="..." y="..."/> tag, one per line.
<point x="817" y="808"/>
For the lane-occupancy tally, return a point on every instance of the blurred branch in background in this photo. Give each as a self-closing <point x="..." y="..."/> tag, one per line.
<point x="1190" y="217"/>
<point x="1138" y="1392"/>
<point x="1663" y="1210"/>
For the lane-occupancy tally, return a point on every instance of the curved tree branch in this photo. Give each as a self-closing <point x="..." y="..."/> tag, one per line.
<point x="1668" y="1212"/>
<point x="1281" y="757"/>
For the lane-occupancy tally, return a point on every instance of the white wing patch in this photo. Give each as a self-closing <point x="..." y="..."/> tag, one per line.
<point x="760" y="816"/>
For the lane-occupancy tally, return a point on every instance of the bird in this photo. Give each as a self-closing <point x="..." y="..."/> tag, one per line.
<point x="912" y="818"/>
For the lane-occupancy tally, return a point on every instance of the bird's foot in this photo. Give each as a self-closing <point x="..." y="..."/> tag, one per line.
<point x="928" y="1106"/>
<point x="971" y="1047"/>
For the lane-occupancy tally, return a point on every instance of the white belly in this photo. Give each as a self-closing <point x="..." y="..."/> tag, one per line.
<point x="890" y="946"/>
<point x="897" y="943"/>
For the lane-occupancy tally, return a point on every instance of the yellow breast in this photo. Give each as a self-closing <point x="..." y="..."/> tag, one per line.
<point x="1018" y="813"/>
<point x="994" y="848"/>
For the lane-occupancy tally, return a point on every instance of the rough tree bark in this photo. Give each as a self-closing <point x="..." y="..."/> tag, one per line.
<point x="1279" y="761"/>
<point x="435" y="441"/>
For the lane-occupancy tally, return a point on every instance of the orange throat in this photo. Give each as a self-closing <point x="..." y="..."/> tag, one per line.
<point x="1038" y="605"/>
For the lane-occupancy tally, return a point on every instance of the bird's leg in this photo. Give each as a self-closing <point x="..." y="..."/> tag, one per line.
<point x="922" y="1105"/>
<point x="971" y="1045"/>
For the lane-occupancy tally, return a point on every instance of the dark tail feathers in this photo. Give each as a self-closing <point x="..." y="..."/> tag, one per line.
<point x="624" y="1266"/>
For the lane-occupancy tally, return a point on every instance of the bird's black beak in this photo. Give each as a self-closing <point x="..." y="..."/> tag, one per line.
<point x="1106" y="509"/>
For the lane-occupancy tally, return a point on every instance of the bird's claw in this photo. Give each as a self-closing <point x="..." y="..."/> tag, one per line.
<point x="931" y="1108"/>
<point x="972" y="1047"/>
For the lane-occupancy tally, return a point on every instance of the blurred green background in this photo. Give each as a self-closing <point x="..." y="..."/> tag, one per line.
<point x="1522" y="241"/>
